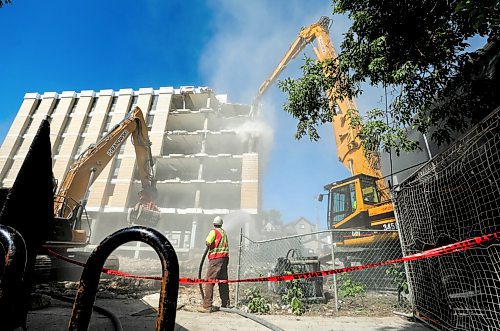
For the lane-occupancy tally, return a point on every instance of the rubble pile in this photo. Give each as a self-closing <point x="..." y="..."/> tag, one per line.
<point x="113" y="288"/>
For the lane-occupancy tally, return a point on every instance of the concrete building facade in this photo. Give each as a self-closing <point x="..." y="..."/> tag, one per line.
<point x="203" y="166"/>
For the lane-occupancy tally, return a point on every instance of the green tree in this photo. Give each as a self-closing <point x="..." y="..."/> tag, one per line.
<point x="416" y="51"/>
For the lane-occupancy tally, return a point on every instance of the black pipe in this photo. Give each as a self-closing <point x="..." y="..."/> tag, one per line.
<point x="199" y="272"/>
<point x="11" y="281"/>
<point x="87" y="290"/>
<point x="253" y="318"/>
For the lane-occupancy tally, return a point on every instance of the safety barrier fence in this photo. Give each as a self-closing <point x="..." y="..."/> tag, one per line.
<point x="309" y="280"/>
<point x="455" y="196"/>
<point x="326" y="252"/>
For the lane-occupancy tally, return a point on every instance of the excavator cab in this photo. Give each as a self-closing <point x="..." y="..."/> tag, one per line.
<point x="349" y="201"/>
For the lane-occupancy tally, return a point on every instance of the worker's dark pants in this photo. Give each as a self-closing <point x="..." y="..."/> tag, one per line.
<point x="217" y="269"/>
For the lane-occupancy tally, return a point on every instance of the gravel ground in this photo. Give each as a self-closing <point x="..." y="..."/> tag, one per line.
<point x="371" y="304"/>
<point x="372" y="311"/>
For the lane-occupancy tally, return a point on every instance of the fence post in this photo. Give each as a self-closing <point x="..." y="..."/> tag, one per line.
<point x="405" y="264"/>
<point x="238" y="268"/>
<point x="334" y="276"/>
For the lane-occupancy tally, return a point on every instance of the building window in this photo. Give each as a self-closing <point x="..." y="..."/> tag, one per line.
<point x="86" y="124"/>
<point x="30" y="120"/>
<point x="92" y="107"/>
<point x="28" y="125"/>
<point x="59" y="145"/>
<point x="107" y="125"/>
<point x="134" y="103"/>
<point x="108" y="116"/>
<point x="122" y="149"/>
<point x="66" y="125"/>
<point x="79" y="149"/>
<point x="56" y="106"/>
<point x="37" y="106"/>
<point x="113" y="104"/>
<point x="73" y="107"/>
<point x="117" y="168"/>
<point x="9" y="169"/>
<point x="149" y="121"/>
<point x="154" y="104"/>
<point x="18" y="146"/>
<point x="110" y="189"/>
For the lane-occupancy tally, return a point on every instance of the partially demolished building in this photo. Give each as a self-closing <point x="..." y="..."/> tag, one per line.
<point x="203" y="166"/>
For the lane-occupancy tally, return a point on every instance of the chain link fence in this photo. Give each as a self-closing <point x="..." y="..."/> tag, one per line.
<point x="317" y="251"/>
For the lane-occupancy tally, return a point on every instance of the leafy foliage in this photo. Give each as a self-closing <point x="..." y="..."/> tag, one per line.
<point x="398" y="275"/>
<point x="348" y="288"/>
<point x="256" y="303"/>
<point x="294" y="298"/>
<point x="416" y="50"/>
<point x="397" y="272"/>
<point x="4" y="1"/>
<point x="308" y="99"/>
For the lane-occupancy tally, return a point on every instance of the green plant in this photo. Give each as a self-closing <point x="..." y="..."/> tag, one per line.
<point x="256" y="303"/>
<point x="349" y="289"/>
<point x="294" y="298"/>
<point x="398" y="276"/>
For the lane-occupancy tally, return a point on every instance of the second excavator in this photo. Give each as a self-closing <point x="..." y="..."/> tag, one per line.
<point x="72" y="195"/>
<point x="360" y="201"/>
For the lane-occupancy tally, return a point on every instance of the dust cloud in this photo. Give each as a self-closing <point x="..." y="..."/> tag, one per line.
<point x="249" y="39"/>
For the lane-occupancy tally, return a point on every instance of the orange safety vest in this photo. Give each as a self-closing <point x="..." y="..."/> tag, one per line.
<point x="219" y="247"/>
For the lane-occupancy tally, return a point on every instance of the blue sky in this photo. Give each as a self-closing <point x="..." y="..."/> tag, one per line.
<point x="228" y="45"/>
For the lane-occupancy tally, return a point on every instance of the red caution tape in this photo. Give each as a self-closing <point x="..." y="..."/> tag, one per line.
<point x="104" y="270"/>
<point x="440" y="251"/>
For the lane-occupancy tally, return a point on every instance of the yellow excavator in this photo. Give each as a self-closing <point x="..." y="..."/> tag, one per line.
<point x="72" y="196"/>
<point x="360" y="201"/>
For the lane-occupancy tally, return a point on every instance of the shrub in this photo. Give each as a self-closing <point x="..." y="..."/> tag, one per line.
<point x="256" y="303"/>
<point x="293" y="298"/>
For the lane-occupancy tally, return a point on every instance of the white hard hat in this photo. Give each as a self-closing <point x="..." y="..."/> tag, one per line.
<point x="218" y="220"/>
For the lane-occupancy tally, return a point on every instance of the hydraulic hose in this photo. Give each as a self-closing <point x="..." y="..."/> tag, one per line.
<point x="253" y="318"/>
<point x="233" y="310"/>
<point x="199" y="272"/>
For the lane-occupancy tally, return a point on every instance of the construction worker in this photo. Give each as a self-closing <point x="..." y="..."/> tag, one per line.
<point x="218" y="259"/>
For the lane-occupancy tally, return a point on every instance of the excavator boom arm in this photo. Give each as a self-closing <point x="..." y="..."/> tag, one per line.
<point x="94" y="159"/>
<point x="305" y="36"/>
<point x="145" y="162"/>
<point x="349" y="148"/>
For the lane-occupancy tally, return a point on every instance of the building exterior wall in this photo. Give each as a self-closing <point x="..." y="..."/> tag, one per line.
<point x="202" y="167"/>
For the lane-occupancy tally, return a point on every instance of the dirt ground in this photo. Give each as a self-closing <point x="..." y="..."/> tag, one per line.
<point x="370" y="304"/>
<point x="137" y="299"/>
